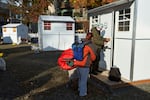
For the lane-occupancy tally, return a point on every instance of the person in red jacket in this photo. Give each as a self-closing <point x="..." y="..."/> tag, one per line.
<point x="83" y="67"/>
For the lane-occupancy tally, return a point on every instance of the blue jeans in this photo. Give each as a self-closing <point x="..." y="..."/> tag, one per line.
<point x="83" y="77"/>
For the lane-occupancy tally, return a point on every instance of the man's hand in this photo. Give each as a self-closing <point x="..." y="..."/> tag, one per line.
<point x="70" y="63"/>
<point x="107" y="39"/>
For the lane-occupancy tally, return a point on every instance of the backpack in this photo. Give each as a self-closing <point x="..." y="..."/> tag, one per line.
<point x="114" y="74"/>
<point x="78" y="51"/>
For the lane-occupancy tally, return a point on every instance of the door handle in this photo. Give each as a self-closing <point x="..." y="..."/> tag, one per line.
<point x="106" y="47"/>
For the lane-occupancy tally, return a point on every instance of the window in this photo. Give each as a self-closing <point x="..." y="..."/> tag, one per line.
<point x="47" y="25"/>
<point x="69" y="26"/>
<point x="4" y="29"/>
<point x="124" y="20"/>
<point x="14" y="29"/>
<point x="94" y="19"/>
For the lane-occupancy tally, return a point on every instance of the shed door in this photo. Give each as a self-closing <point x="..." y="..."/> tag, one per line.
<point x="123" y="40"/>
<point x="106" y="21"/>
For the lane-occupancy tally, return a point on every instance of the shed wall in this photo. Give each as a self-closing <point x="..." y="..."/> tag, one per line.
<point x="57" y="38"/>
<point x="142" y="41"/>
<point x="11" y="36"/>
<point x="131" y="48"/>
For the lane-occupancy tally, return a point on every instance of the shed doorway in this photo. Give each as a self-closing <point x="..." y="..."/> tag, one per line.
<point x="106" y="23"/>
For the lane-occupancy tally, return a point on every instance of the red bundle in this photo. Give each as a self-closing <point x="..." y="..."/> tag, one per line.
<point x="64" y="58"/>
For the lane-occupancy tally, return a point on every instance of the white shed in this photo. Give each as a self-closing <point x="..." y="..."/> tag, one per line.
<point x="127" y="23"/>
<point x="14" y="32"/>
<point x="55" y="32"/>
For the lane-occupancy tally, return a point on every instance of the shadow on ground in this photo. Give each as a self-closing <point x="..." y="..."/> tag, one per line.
<point x="36" y="76"/>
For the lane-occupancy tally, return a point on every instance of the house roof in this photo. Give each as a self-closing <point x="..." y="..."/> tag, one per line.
<point x="11" y="25"/>
<point x="56" y="18"/>
<point x="109" y="6"/>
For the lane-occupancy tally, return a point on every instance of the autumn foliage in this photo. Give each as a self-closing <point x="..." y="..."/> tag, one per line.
<point x="30" y="13"/>
<point x="89" y="3"/>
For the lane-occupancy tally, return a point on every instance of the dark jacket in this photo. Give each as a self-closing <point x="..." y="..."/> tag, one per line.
<point x="97" y="39"/>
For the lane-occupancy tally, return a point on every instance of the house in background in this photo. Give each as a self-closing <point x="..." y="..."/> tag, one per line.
<point x="127" y="23"/>
<point x="64" y="8"/>
<point x="4" y="15"/>
<point x="55" y="32"/>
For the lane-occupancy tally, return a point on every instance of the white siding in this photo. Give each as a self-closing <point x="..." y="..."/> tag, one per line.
<point x="57" y="38"/>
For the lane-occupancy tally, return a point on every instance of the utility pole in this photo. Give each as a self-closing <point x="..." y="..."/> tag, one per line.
<point x="55" y="6"/>
<point x="10" y="16"/>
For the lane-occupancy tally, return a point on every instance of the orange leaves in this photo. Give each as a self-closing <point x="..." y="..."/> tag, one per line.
<point x="83" y="3"/>
<point x="78" y="3"/>
<point x="89" y="3"/>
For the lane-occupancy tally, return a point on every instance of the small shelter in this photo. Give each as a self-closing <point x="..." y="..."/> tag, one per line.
<point x="55" y="32"/>
<point x="14" y="33"/>
<point x="127" y="23"/>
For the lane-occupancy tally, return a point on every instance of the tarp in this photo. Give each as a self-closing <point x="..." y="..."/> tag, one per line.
<point x="64" y="57"/>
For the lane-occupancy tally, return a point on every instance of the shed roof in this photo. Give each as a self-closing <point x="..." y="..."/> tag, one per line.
<point x="109" y="6"/>
<point x="12" y="25"/>
<point x="56" y="18"/>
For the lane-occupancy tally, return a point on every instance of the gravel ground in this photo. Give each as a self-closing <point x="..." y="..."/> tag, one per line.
<point x="36" y="76"/>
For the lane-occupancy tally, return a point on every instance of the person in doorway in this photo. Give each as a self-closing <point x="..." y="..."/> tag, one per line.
<point x="99" y="41"/>
<point x="83" y="66"/>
